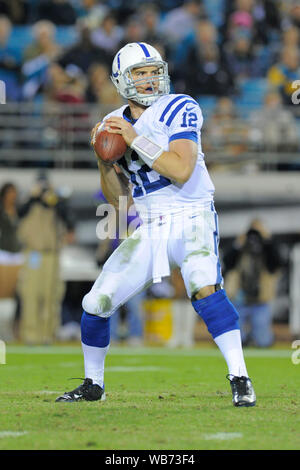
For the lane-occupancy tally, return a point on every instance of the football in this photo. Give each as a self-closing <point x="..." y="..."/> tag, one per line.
<point x="109" y="147"/>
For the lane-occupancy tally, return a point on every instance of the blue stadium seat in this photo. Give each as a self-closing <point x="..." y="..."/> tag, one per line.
<point x="215" y="11"/>
<point x="244" y="109"/>
<point x="66" y="35"/>
<point x="253" y="90"/>
<point x="21" y="36"/>
<point x="207" y="104"/>
<point x="252" y="93"/>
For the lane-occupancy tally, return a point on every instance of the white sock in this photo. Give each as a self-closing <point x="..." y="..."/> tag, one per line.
<point x="230" y="345"/>
<point x="94" y="363"/>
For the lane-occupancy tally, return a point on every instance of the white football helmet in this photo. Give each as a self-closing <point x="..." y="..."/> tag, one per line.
<point x="134" y="55"/>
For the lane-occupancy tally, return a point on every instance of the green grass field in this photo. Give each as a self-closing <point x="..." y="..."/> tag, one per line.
<point x="156" y="399"/>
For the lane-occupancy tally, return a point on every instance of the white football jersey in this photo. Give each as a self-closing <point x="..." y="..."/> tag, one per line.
<point x="170" y="118"/>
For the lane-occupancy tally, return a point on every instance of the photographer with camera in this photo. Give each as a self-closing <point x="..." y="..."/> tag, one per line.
<point x="45" y="226"/>
<point x="251" y="274"/>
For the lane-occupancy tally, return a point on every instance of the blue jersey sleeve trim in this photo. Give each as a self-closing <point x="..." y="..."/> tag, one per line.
<point x="185" y="135"/>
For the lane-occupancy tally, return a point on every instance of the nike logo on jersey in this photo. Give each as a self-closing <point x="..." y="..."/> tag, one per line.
<point x="190" y="108"/>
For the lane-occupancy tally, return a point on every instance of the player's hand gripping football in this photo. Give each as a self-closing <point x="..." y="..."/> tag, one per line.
<point x="93" y="140"/>
<point x="118" y="125"/>
<point x="93" y="132"/>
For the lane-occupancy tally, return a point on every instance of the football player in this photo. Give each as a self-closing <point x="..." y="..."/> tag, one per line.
<point x="173" y="194"/>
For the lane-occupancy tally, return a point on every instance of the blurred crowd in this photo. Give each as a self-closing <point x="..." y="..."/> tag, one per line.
<point x="238" y="58"/>
<point x="65" y="47"/>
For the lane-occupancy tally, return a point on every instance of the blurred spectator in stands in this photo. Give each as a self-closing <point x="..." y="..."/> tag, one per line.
<point x="291" y="37"/>
<point x="205" y="73"/>
<point x="9" y="218"/>
<point x="178" y="28"/>
<point x="72" y="87"/>
<point x="10" y="260"/>
<point x="10" y="62"/>
<point x="56" y="82"/>
<point x="133" y="30"/>
<point x="178" y="22"/>
<point x="224" y="130"/>
<point x="37" y="58"/>
<point x="93" y="12"/>
<point x="45" y="226"/>
<point x="251" y="273"/>
<point x="282" y="74"/>
<point x="167" y="5"/>
<point x="150" y="18"/>
<point x="59" y="12"/>
<point x="44" y="42"/>
<point x="199" y="66"/>
<point x="292" y="10"/>
<point x="68" y="86"/>
<point x="204" y="36"/>
<point x="84" y="53"/>
<point x="269" y="16"/>
<point x="16" y="10"/>
<point x="100" y="89"/>
<point x="108" y="34"/>
<point x="239" y="17"/>
<point x="273" y="127"/>
<point x="206" y="33"/>
<point x="260" y="19"/>
<point x="244" y="59"/>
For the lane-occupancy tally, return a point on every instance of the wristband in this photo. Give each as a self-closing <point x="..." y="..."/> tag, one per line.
<point x="146" y="149"/>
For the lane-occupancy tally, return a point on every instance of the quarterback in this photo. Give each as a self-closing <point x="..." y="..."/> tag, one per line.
<point x="164" y="170"/>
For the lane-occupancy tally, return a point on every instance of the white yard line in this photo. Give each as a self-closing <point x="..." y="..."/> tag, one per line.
<point x="12" y="433"/>
<point x="223" y="436"/>
<point x="137" y="369"/>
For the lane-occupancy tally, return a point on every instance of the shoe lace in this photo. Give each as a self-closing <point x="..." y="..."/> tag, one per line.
<point x="83" y="386"/>
<point x="239" y="382"/>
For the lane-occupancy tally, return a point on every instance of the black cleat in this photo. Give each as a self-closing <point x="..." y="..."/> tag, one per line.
<point x="86" y="391"/>
<point x="242" y="391"/>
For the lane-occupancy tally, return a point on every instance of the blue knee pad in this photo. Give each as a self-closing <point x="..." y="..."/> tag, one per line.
<point x="95" y="331"/>
<point x="218" y="313"/>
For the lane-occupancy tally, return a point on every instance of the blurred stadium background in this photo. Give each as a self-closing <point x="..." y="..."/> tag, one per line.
<point x="238" y="58"/>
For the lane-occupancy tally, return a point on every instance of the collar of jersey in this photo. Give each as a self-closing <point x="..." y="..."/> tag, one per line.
<point x="127" y="116"/>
